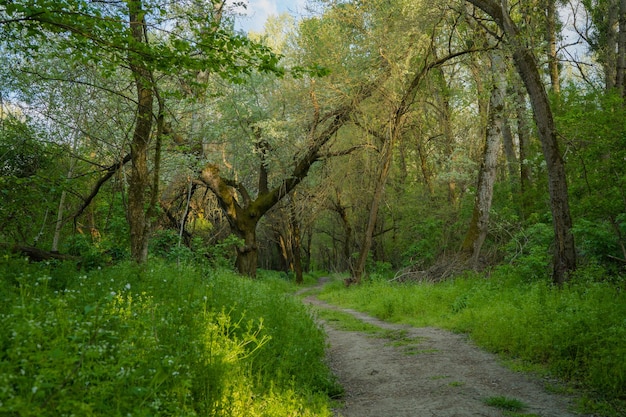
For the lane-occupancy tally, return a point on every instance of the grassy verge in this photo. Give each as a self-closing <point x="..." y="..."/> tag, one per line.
<point x="159" y="340"/>
<point x="577" y="333"/>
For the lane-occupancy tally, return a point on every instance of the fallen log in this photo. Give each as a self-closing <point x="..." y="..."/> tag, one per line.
<point x="36" y="254"/>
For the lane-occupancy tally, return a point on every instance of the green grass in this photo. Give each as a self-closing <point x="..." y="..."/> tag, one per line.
<point x="504" y="403"/>
<point x="156" y="340"/>
<point x="575" y="334"/>
<point x="345" y="321"/>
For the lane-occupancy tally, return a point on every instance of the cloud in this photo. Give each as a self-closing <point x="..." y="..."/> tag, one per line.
<point x="254" y="15"/>
<point x="257" y="11"/>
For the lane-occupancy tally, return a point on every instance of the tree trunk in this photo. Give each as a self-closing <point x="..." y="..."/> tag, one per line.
<point x="608" y="54"/>
<point x="60" y="222"/>
<point x="281" y="246"/>
<point x="551" y="37"/>
<point x="38" y="255"/>
<point x="247" y="255"/>
<point x="479" y="224"/>
<point x="340" y="209"/>
<point x="446" y="123"/>
<point x="509" y="152"/>
<point x="564" y="259"/>
<point x="139" y="181"/>
<point x="620" y="75"/>
<point x="523" y="136"/>
<point x="296" y="242"/>
<point x="306" y="265"/>
<point x="425" y="170"/>
<point x="385" y="165"/>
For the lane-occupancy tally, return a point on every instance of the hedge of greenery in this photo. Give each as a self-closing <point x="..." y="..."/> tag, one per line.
<point x="161" y="340"/>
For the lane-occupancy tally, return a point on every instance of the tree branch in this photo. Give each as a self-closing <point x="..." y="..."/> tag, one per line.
<point x="110" y="171"/>
<point x="345" y="152"/>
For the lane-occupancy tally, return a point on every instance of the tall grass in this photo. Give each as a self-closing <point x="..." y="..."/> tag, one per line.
<point x="157" y="340"/>
<point x="577" y="333"/>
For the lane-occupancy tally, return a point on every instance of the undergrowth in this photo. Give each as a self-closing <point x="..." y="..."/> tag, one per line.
<point x="576" y="333"/>
<point x="157" y="340"/>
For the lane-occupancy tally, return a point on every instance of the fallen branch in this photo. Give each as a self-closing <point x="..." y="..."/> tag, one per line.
<point x="36" y="254"/>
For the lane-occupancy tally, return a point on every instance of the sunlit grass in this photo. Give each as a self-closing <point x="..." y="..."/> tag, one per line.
<point x="157" y="340"/>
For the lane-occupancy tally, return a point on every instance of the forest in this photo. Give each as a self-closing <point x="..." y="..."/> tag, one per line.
<point x="393" y="143"/>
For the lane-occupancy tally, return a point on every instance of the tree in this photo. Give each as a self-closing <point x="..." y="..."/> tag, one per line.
<point x="136" y="35"/>
<point x="552" y="22"/>
<point x="290" y="125"/>
<point x="245" y="211"/>
<point x="564" y="259"/>
<point x="606" y="37"/>
<point x="477" y="232"/>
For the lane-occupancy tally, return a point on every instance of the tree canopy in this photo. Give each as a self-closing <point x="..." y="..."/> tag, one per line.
<point x="364" y="137"/>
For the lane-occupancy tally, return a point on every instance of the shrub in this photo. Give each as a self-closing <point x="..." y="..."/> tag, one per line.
<point x="530" y="251"/>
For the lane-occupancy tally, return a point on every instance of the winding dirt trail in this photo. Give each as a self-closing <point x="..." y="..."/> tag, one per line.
<point x="430" y="372"/>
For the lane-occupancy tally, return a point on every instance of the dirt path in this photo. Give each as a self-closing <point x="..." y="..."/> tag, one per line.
<point x="430" y="373"/>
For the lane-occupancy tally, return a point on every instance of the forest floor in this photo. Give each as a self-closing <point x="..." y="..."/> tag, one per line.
<point x="423" y="372"/>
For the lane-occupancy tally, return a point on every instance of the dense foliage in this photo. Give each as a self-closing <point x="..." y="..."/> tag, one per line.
<point x="373" y="152"/>
<point x="160" y="340"/>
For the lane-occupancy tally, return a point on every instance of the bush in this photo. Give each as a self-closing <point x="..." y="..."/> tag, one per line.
<point x="530" y="251"/>
<point x="165" y="244"/>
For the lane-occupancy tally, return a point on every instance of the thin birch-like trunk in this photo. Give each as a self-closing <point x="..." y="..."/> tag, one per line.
<point x="479" y="225"/>
<point x="60" y="222"/>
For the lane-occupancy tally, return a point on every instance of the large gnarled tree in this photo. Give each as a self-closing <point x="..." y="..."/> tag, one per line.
<point x="244" y="210"/>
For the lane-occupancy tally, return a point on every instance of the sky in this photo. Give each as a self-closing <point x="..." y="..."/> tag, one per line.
<point x="258" y="11"/>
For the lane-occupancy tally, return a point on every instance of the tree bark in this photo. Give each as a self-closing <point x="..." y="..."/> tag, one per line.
<point x="341" y="210"/>
<point x="479" y="225"/>
<point x="139" y="181"/>
<point x="385" y="165"/>
<point x="421" y="152"/>
<point x="38" y="255"/>
<point x="620" y="73"/>
<point x="248" y="254"/>
<point x="564" y="259"/>
<point x="523" y="136"/>
<point x="296" y="242"/>
<point x="551" y="38"/>
<point x="445" y="118"/>
<point x="608" y="55"/>
<point x="60" y="222"/>
<point x="509" y="152"/>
